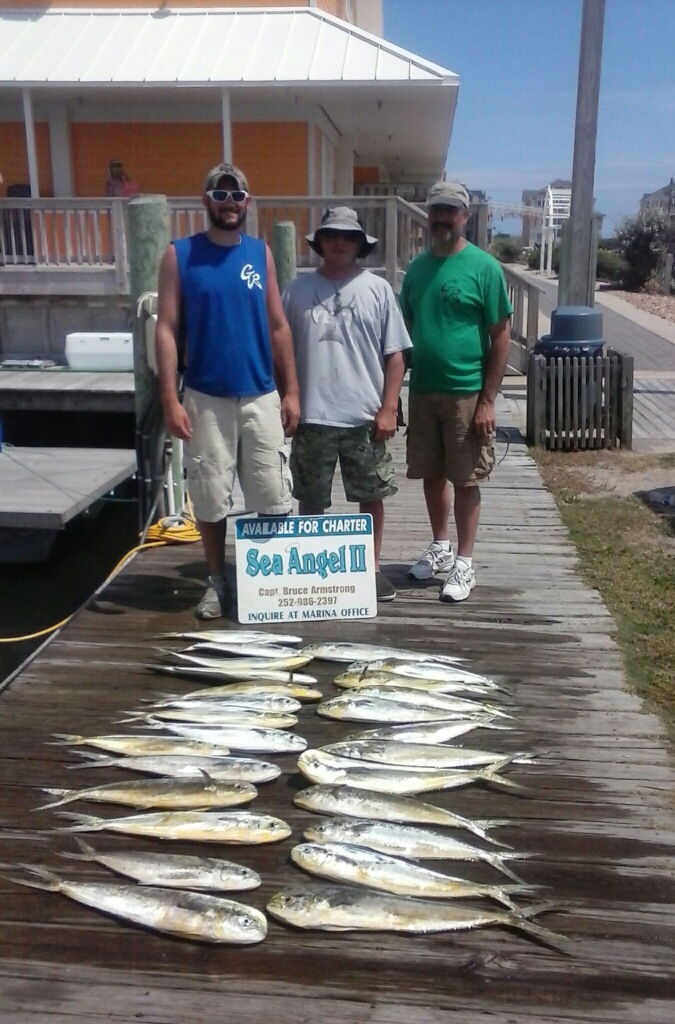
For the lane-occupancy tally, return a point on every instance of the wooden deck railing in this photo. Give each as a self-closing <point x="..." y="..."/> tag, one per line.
<point x="524" y="297"/>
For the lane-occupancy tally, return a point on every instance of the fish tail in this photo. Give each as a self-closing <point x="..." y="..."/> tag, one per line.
<point x="61" y="738"/>
<point x="87" y="852"/>
<point x="50" y="881"/>
<point x="82" y="822"/>
<point x="93" y="761"/>
<point x="521" y="920"/>
<point x="498" y="860"/>
<point x="489" y="724"/>
<point x="65" y="794"/>
<point x="484" y="825"/>
<point x="491" y="773"/>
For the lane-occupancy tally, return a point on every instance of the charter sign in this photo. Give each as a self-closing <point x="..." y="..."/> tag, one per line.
<point x="295" y="568"/>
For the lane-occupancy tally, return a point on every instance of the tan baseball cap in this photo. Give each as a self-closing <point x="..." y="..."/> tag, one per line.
<point x="448" y="193"/>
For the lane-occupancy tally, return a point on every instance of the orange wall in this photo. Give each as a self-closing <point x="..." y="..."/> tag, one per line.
<point x="366" y="175"/>
<point x="273" y="155"/>
<point x="14" y="159"/>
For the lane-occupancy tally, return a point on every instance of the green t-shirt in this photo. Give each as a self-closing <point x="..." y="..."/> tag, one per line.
<point x="450" y="302"/>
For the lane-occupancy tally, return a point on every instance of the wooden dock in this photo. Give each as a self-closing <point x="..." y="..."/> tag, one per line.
<point x="595" y="817"/>
<point x="60" y="389"/>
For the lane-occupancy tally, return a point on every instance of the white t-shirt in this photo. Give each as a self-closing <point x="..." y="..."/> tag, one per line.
<point x="342" y="331"/>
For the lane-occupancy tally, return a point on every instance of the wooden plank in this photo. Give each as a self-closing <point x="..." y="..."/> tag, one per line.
<point x="44" y="488"/>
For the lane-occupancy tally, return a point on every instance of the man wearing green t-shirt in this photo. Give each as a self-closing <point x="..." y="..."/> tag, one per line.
<point x="457" y="310"/>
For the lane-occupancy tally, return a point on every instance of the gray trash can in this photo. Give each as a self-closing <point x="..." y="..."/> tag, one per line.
<point x="576" y="333"/>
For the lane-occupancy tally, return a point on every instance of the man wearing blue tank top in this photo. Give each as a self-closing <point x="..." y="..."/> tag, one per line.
<point x="238" y="349"/>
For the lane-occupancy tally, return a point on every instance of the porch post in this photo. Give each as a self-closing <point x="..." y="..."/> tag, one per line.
<point x="31" y="148"/>
<point x="59" y="144"/>
<point x="344" y="167"/>
<point x="227" y="126"/>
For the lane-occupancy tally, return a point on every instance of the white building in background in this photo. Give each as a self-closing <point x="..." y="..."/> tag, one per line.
<point x="663" y="200"/>
<point x="554" y="199"/>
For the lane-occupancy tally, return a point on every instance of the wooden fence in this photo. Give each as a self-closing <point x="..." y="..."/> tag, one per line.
<point x="579" y="403"/>
<point x="524" y="295"/>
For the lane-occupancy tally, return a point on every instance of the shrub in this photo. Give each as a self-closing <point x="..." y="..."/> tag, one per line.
<point x="643" y="242"/>
<point x="611" y="266"/>
<point x="506" y="249"/>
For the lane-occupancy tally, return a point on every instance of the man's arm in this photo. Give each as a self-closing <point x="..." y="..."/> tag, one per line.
<point x="484" y="417"/>
<point x="282" y="351"/>
<point x="394" y="372"/>
<point x="166" y="353"/>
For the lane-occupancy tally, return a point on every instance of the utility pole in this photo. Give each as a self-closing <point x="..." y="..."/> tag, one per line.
<point x="581" y="249"/>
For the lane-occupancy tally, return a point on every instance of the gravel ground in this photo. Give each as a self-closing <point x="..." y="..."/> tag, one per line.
<point x="659" y="305"/>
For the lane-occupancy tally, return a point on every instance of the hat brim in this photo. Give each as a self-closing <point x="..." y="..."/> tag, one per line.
<point x="443" y="201"/>
<point x="368" y="242"/>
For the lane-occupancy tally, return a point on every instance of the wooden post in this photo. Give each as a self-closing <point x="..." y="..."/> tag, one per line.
<point x="284" y="252"/>
<point x="149" y="235"/>
<point x="148" y="228"/>
<point x="668" y="274"/>
<point x="583" y="168"/>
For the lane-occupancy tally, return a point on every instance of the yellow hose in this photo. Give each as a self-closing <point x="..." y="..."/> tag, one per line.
<point x="178" y="529"/>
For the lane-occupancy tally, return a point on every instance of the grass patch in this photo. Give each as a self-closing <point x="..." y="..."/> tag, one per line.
<point x="627" y="553"/>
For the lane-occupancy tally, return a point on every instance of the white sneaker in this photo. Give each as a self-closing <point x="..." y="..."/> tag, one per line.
<point x="459" y="584"/>
<point x="435" y="559"/>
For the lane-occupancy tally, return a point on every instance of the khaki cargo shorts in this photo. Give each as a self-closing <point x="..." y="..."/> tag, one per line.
<point x="236" y="436"/>
<point x="366" y="466"/>
<point x="441" y="439"/>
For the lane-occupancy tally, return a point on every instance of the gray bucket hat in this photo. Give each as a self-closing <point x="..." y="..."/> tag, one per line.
<point x="342" y="218"/>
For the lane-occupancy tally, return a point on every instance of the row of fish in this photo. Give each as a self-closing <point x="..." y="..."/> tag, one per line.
<point x="417" y="703"/>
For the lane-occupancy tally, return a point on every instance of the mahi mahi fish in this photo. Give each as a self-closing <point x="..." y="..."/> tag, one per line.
<point x="237" y="636"/>
<point x="171" y="870"/>
<point x="249" y="650"/>
<point x="387" y="779"/>
<point x="410" y="841"/>
<point x="403" y="694"/>
<point x="127" y="744"/>
<point x="358" y="680"/>
<point x="426" y="732"/>
<point x="371" y="652"/>
<point x="212" y="714"/>
<point x="349" y="802"/>
<point x="248" y="739"/>
<point x="188" y="915"/>
<point x="168" y="793"/>
<point x="431" y="670"/>
<point x="243" y="666"/>
<point x="296" y="691"/>
<point x="418" y="755"/>
<point x="358" y="865"/>
<point x="220" y="670"/>
<point x="202" y="826"/>
<point x="354" y="707"/>
<point x="339" y="908"/>
<point x="224" y="769"/>
<point x="270" y="702"/>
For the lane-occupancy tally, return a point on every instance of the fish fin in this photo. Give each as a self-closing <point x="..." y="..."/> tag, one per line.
<point x="86" y="851"/>
<point x="485" y="824"/>
<point x="207" y="778"/>
<point x="50" y="881"/>
<point x="498" y="860"/>
<point x="61" y="738"/>
<point x="491" y="773"/>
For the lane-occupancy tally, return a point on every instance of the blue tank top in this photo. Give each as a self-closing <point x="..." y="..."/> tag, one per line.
<point x="228" y="350"/>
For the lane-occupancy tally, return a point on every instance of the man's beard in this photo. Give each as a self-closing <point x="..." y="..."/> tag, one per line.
<point x="218" y="221"/>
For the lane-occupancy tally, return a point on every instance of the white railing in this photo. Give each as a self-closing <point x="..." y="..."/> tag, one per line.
<point x="399" y="226"/>
<point x="524" y="297"/>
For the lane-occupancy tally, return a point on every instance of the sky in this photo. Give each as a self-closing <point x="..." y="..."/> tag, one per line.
<point x="518" y="61"/>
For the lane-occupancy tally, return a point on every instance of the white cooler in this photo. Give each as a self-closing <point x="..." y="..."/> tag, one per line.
<point x="94" y="351"/>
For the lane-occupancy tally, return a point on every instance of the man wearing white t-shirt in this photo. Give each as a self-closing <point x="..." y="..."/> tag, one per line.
<point x="349" y="339"/>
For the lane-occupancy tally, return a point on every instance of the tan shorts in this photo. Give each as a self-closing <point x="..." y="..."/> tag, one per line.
<point x="242" y="436"/>
<point x="441" y="439"/>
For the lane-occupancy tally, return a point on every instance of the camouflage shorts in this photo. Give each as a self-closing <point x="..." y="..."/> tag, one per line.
<point x="366" y="466"/>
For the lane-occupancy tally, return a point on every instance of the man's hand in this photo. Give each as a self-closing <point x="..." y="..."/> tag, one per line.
<point x="290" y="414"/>
<point x="484" y="420"/>
<point x="384" y="425"/>
<point x="177" y="421"/>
